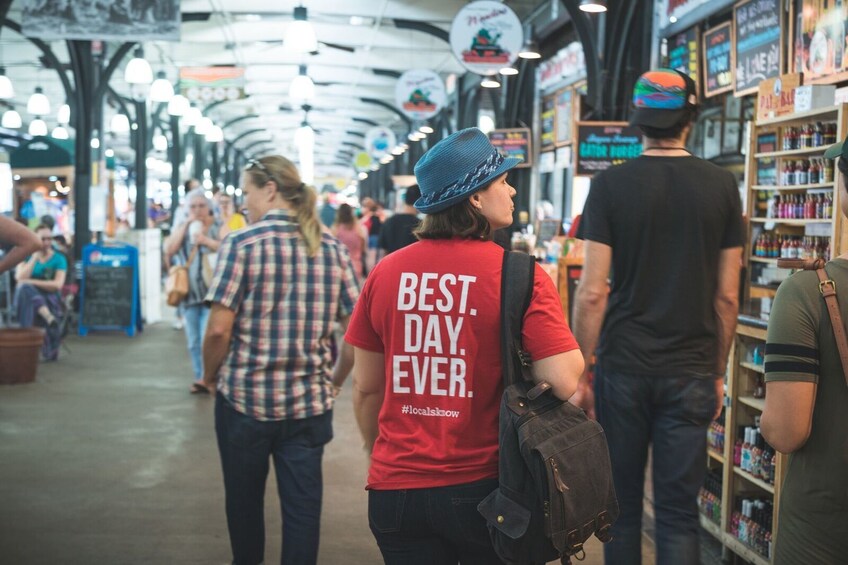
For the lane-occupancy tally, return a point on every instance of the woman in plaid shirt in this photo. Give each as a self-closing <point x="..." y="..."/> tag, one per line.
<point x="280" y="286"/>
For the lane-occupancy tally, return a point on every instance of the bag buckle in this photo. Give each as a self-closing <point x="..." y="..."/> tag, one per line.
<point x="830" y="282"/>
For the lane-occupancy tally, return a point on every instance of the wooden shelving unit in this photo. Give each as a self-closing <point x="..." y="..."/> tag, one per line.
<point x="742" y="408"/>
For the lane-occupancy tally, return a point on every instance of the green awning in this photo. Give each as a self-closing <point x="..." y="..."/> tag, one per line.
<point x="43" y="152"/>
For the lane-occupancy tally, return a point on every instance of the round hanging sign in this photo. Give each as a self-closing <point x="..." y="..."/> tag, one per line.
<point x="362" y="162"/>
<point x="486" y="36"/>
<point x="379" y="141"/>
<point x="420" y="94"/>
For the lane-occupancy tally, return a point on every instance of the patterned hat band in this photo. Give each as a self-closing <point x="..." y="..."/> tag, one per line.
<point x="471" y="180"/>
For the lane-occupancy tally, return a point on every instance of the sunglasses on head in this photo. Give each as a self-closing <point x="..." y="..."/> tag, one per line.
<point x="258" y="164"/>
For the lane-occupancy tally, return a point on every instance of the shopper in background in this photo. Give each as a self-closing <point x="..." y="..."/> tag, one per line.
<point x="18" y="242"/>
<point x="230" y="219"/>
<point x="668" y="226"/>
<point x="429" y="471"/>
<point x="327" y="213"/>
<point x="180" y="217"/>
<point x="37" y="297"/>
<point x="280" y="288"/>
<point x="397" y="231"/>
<point x="195" y="243"/>
<point x="806" y="410"/>
<point x="347" y="229"/>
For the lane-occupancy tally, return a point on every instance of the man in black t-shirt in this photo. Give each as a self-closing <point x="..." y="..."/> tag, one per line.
<point x="667" y="227"/>
<point x="396" y="233"/>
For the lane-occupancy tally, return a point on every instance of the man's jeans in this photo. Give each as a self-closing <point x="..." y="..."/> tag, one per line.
<point x="672" y="413"/>
<point x="194" y="319"/>
<point x="432" y="526"/>
<point x="297" y="447"/>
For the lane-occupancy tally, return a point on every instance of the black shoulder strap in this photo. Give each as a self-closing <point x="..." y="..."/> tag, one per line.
<point x="516" y="291"/>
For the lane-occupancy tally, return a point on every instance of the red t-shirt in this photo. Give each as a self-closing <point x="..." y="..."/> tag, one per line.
<point x="432" y="309"/>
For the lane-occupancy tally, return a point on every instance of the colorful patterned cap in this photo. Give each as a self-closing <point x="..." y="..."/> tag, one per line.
<point x="661" y="98"/>
<point x="457" y="167"/>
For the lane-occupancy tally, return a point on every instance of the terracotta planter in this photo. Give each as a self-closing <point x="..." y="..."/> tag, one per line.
<point x="19" y="351"/>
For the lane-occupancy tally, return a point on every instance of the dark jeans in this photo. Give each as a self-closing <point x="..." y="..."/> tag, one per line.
<point x="672" y="413"/>
<point x="432" y="526"/>
<point x="297" y="447"/>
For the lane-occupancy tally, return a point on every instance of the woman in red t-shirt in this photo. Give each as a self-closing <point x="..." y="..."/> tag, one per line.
<point x="427" y="377"/>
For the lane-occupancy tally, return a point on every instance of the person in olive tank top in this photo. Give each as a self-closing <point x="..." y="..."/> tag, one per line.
<point x="806" y="411"/>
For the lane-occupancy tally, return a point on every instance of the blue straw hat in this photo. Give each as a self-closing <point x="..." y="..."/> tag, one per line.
<point x="457" y="167"/>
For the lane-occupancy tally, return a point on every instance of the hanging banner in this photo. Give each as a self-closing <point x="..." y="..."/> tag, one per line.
<point x="548" y="126"/>
<point x="758" y="28"/>
<point x="212" y="84"/>
<point x="820" y="35"/>
<point x="601" y="145"/>
<point x="718" y="60"/>
<point x="486" y="36"/>
<point x="379" y="142"/>
<point x="683" y="53"/>
<point x="566" y="67"/>
<point x="139" y="20"/>
<point x="420" y="94"/>
<point x="564" y="101"/>
<point x="513" y="142"/>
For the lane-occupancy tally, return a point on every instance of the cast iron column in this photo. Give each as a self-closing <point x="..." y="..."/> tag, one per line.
<point x="141" y="165"/>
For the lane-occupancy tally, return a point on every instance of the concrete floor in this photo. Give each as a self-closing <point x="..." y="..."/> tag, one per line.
<point x="107" y="459"/>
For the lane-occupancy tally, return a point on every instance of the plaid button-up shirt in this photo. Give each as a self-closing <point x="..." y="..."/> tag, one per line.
<point x="279" y="364"/>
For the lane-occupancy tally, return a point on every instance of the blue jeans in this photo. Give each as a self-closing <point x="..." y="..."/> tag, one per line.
<point x="194" y="322"/>
<point x="672" y="414"/>
<point x="297" y="447"/>
<point x="432" y="526"/>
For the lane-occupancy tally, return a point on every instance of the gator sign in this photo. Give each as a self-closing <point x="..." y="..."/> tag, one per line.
<point x="486" y="36"/>
<point x="420" y="94"/>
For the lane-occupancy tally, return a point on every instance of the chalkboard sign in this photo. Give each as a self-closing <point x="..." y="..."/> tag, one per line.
<point x="547" y="229"/>
<point x="109" y="292"/>
<point x="513" y="142"/>
<point x="600" y="145"/>
<point x="758" y="28"/>
<point x="548" y="123"/>
<point x="683" y="53"/>
<point x="718" y="60"/>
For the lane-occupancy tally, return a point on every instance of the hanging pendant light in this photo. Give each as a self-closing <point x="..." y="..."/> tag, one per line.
<point x="192" y="116"/>
<point x="489" y="82"/>
<point x="161" y="90"/>
<point x="215" y="134"/>
<point x="37" y="127"/>
<point x="203" y="126"/>
<point x="160" y="142"/>
<point x="63" y="116"/>
<point x="38" y="104"/>
<point x="120" y="123"/>
<point x="59" y="132"/>
<point x="138" y="70"/>
<point x="593" y="6"/>
<point x="302" y="89"/>
<point x="530" y="50"/>
<point x="7" y="91"/>
<point x="300" y="37"/>
<point x="11" y="120"/>
<point x="178" y="105"/>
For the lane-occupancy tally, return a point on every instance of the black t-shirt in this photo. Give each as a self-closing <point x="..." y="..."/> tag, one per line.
<point x="396" y="232"/>
<point x="667" y="219"/>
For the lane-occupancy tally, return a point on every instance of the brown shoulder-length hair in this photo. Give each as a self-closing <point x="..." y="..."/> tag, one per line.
<point x="460" y="220"/>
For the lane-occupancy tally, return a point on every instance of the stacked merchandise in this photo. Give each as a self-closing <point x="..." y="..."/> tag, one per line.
<point x="709" y="498"/>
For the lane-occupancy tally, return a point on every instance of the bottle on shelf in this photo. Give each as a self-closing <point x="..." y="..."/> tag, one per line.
<point x="737" y="448"/>
<point x="818" y="135"/>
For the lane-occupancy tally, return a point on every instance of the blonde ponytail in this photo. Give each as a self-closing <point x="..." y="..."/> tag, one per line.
<point x="300" y="197"/>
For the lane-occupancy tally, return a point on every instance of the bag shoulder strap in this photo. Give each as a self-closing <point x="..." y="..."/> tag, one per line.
<point x="516" y="291"/>
<point x="191" y="255"/>
<point x="827" y="288"/>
